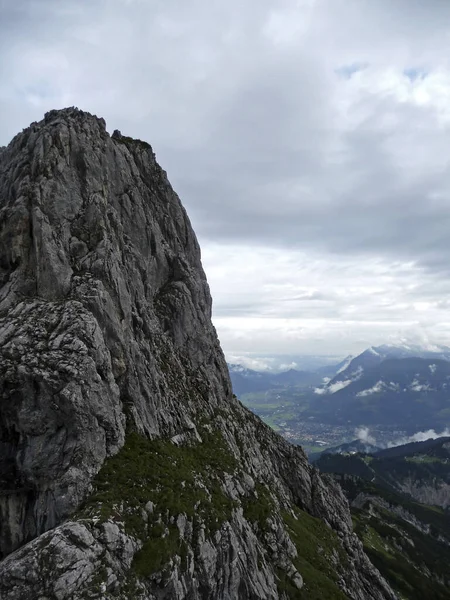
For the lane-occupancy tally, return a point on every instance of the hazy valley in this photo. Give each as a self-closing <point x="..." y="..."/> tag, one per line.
<point x="385" y="394"/>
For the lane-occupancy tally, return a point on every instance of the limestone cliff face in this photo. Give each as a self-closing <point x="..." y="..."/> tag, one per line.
<point x="127" y="468"/>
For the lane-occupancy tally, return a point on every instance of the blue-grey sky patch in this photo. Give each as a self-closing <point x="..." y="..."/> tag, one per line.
<point x="414" y="73"/>
<point x="347" y="71"/>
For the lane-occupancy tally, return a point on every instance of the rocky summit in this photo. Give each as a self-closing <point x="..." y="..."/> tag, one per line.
<point x="128" y="469"/>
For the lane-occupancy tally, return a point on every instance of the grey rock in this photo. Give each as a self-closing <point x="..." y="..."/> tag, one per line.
<point x="373" y="502"/>
<point x="432" y="492"/>
<point x="105" y="323"/>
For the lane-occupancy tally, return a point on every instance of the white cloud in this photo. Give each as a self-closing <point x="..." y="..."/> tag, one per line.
<point x="257" y="364"/>
<point x="339" y="385"/>
<point x="321" y="391"/>
<point x="363" y="434"/>
<point x="288" y="366"/>
<point x="334" y="387"/>
<point x="418" y="387"/>
<point x="420" y="436"/>
<point x="376" y="389"/>
<point x="302" y="303"/>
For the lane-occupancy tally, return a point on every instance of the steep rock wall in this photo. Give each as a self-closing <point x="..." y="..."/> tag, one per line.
<point x="112" y="377"/>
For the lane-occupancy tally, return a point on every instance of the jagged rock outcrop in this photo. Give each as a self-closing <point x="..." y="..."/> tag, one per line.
<point x="428" y="492"/>
<point x="127" y="467"/>
<point x="408" y="541"/>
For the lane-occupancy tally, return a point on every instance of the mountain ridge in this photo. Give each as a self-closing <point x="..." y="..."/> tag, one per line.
<point x="400" y="502"/>
<point x="374" y="355"/>
<point x="419" y="470"/>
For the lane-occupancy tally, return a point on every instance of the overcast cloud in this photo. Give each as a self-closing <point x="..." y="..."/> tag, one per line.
<point x="308" y="139"/>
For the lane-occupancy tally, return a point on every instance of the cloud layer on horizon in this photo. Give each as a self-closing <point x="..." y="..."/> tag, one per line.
<point x="308" y="140"/>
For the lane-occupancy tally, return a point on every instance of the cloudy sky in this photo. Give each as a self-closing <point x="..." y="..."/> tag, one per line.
<point x="308" y="139"/>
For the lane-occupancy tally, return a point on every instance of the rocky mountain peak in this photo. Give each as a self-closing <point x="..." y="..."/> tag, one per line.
<point x="127" y="467"/>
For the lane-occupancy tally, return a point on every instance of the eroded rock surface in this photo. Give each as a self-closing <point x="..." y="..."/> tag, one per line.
<point x="127" y="468"/>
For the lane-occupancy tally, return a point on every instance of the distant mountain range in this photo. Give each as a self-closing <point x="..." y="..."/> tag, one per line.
<point x="386" y="385"/>
<point x="246" y="381"/>
<point x="331" y="378"/>
<point x="375" y="356"/>
<point x="276" y="363"/>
